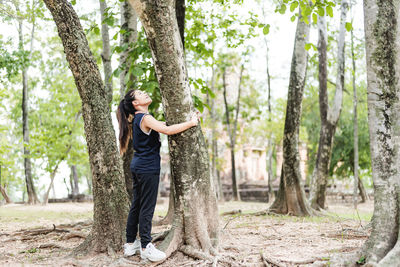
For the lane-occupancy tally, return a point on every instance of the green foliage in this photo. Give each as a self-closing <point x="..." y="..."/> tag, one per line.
<point x="361" y="260"/>
<point x="315" y="8"/>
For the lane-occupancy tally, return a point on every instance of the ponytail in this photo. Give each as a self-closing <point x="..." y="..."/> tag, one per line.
<point x="125" y="113"/>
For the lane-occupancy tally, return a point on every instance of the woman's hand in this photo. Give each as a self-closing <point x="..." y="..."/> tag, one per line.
<point x="195" y="118"/>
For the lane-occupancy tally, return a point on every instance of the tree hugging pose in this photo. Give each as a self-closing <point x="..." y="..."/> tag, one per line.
<point x="135" y="122"/>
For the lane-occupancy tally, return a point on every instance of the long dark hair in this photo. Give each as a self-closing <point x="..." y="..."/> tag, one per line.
<point x="125" y="113"/>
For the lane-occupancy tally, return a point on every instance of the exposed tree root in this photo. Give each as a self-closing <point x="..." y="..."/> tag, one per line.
<point x="232" y="212"/>
<point x="49" y="245"/>
<point x="270" y="262"/>
<point x="195" y="253"/>
<point x="73" y="225"/>
<point x="231" y="219"/>
<point x="231" y="248"/>
<point x="160" y="236"/>
<point x="41" y="231"/>
<point x="83" y="248"/>
<point x="74" y="234"/>
<point x="392" y="258"/>
<point x="310" y="261"/>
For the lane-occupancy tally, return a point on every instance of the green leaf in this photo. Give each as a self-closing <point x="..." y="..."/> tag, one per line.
<point x="266" y="29"/>
<point x="314" y="18"/>
<point x="282" y="10"/>
<point x="115" y="37"/>
<point x="329" y="11"/>
<point x="137" y="71"/>
<point x="308" y="46"/>
<point x="293" y="6"/>
<point x="349" y="26"/>
<point x="73" y="2"/>
<point x="321" y="11"/>
<point x="293" y="18"/>
<point x="96" y="30"/>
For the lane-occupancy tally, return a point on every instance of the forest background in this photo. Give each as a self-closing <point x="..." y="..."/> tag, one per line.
<point x="57" y="145"/>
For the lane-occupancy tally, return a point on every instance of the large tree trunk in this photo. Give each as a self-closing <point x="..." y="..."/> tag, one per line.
<point x="128" y="38"/>
<point x="180" y="18"/>
<point x="329" y="115"/>
<point x="291" y="197"/>
<point x="110" y="199"/>
<point x="106" y="53"/>
<point x="32" y="196"/>
<point x="383" y="74"/>
<point x="195" y="224"/>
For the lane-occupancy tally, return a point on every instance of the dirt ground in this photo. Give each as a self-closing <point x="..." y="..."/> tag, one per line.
<point x="28" y="237"/>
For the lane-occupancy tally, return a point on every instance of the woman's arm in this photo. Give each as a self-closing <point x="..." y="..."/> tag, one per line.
<point x="149" y="122"/>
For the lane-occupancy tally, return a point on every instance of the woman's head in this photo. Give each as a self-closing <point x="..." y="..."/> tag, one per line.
<point x="125" y="112"/>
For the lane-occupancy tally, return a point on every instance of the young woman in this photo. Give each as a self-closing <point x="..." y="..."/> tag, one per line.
<point x="135" y="122"/>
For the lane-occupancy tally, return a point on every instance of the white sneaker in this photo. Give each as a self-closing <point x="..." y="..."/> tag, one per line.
<point x="151" y="253"/>
<point x="132" y="248"/>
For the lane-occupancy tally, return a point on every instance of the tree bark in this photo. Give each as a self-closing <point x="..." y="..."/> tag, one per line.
<point x="195" y="224"/>
<point x="180" y="18"/>
<point x="232" y="130"/>
<point x="106" y="53"/>
<point x="329" y="115"/>
<point x="74" y="174"/>
<point x="383" y="75"/>
<point x="271" y="141"/>
<point x="363" y="192"/>
<point x="52" y="176"/>
<point x="128" y="38"/>
<point x="3" y="191"/>
<point x="291" y="197"/>
<point x="32" y="196"/>
<point x="109" y="194"/>
<point x="214" y="143"/>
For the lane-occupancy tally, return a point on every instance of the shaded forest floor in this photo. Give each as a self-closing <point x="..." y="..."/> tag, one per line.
<point x="28" y="237"/>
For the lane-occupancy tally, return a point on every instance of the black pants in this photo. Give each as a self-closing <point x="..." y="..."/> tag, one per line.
<point x="145" y="188"/>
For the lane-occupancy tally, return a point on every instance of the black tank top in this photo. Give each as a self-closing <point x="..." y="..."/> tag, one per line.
<point x="146" y="146"/>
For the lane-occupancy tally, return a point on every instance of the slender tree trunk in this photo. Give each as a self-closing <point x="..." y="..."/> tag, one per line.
<point x="235" y="189"/>
<point x="270" y="173"/>
<point x="195" y="224"/>
<point x="355" y="129"/>
<point x="383" y="74"/>
<point x="109" y="193"/>
<point x="75" y="180"/>
<point x="271" y="141"/>
<point x="32" y="196"/>
<point x="363" y="192"/>
<point x="89" y="183"/>
<point x="214" y="145"/>
<point x="291" y="197"/>
<point x="52" y="176"/>
<point x="3" y="191"/>
<point x="128" y="38"/>
<point x="329" y="115"/>
<point x="106" y="53"/>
